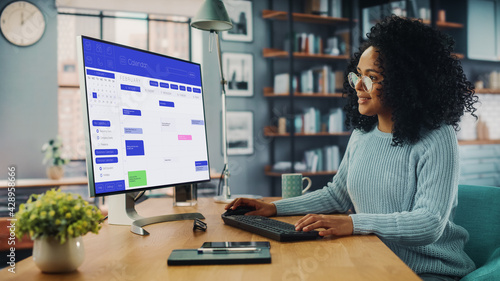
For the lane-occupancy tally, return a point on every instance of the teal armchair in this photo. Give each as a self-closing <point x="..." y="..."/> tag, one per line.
<point x="478" y="211"/>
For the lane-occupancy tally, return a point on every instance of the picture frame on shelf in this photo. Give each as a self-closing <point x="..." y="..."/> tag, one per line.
<point x="238" y="69"/>
<point x="240" y="133"/>
<point x="241" y="16"/>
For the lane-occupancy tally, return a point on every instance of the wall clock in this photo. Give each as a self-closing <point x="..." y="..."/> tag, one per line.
<point x="22" y="23"/>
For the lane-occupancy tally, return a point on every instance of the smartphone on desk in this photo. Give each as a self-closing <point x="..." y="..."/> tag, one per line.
<point x="256" y="244"/>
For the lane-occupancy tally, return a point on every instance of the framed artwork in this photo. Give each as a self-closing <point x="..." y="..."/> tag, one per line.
<point x="238" y="71"/>
<point x="241" y="16"/>
<point x="239" y="132"/>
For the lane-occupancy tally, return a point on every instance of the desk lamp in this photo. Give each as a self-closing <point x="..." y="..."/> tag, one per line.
<point x="213" y="17"/>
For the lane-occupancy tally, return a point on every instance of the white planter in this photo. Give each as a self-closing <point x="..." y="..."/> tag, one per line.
<point x="51" y="256"/>
<point x="55" y="172"/>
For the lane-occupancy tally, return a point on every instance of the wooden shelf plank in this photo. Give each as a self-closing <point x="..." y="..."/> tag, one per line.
<point x="319" y="56"/>
<point x="447" y="25"/>
<point x="301" y="17"/>
<point x="268" y="172"/>
<point x="268" y="92"/>
<point x="280" y="54"/>
<point x="272" y="131"/>
<point x="318" y="95"/>
<point x="487" y="91"/>
<point x="477" y="142"/>
<point x="271" y="53"/>
<point x="323" y="134"/>
<point x="274" y="53"/>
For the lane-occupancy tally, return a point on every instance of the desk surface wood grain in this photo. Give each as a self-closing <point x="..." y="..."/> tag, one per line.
<point x="118" y="254"/>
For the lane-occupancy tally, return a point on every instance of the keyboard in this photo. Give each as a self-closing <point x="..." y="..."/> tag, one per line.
<point x="273" y="229"/>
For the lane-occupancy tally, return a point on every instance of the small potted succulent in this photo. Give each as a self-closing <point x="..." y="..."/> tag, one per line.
<point x="53" y="157"/>
<point x="56" y="221"/>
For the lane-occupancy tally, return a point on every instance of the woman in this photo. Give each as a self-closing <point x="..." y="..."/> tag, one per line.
<point x="399" y="175"/>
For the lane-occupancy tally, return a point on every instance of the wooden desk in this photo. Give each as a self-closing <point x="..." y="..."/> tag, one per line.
<point x="117" y="254"/>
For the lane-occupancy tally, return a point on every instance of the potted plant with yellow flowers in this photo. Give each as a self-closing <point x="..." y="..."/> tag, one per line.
<point x="53" y="157"/>
<point x="56" y="221"/>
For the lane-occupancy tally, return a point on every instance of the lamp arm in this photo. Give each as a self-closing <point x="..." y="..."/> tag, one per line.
<point x="224" y="124"/>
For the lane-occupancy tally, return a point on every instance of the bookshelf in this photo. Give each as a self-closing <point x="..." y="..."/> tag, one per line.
<point x="294" y="144"/>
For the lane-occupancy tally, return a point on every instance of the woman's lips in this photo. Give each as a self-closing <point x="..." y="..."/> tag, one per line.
<point x="363" y="100"/>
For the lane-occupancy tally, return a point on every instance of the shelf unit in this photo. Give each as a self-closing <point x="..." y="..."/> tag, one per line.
<point x="442" y="25"/>
<point x="280" y="56"/>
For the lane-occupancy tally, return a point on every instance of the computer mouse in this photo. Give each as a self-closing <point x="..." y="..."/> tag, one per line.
<point x="240" y="210"/>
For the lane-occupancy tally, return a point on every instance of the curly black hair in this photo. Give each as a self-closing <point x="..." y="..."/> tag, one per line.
<point x="424" y="84"/>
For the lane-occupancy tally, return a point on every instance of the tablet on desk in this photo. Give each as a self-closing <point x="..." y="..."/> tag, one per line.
<point x="195" y="257"/>
<point x="244" y="244"/>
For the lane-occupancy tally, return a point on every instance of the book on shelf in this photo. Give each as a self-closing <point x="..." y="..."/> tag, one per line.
<point x="306" y="81"/>
<point x="286" y="167"/>
<point x="319" y="79"/>
<point x="332" y="153"/>
<point x="282" y="84"/>
<point x="305" y="43"/>
<point x="339" y="79"/>
<point x="335" y="120"/>
<point x="313" y="44"/>
<point x="335" y="8"/>
<point x="311" y="121"/>
<point x="331" y="8"/>
<point x="322" y="159"/>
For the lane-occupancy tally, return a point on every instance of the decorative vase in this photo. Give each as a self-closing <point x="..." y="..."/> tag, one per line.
<point x="53" y="257"/>
<point x="55" y="172"/>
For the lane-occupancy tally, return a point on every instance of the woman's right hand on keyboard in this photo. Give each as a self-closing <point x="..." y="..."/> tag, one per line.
<point x="261" y="208"/>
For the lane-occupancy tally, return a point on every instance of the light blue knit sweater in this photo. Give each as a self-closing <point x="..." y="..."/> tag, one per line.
<point x="405" y="195"/>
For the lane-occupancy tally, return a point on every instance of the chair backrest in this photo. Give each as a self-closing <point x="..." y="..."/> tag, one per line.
<point x="478" y="211"/>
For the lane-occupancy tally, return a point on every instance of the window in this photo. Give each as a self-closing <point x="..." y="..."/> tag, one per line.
<point x="168" y="35"/>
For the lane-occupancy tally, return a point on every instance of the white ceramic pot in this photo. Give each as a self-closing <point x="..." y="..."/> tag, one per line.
<point x="55" y="172"/>
<point x="51" y="256"/>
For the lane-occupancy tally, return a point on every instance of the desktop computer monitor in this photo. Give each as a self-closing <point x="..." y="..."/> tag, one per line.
<point x="144" y="122"/>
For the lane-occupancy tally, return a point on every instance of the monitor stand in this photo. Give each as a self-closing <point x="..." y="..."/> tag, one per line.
<point x="122" y="212"/>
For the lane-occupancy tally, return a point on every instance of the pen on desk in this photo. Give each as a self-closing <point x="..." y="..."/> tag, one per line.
<point x="227" y="250"/>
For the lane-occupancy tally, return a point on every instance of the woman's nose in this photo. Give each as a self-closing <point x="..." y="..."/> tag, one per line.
<point x="359" y="85"/>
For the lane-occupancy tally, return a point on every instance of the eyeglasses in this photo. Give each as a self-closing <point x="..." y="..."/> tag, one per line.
<point x="366" y="82"/>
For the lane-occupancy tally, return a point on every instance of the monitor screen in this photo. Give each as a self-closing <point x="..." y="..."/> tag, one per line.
<point x="145" y="119"/>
